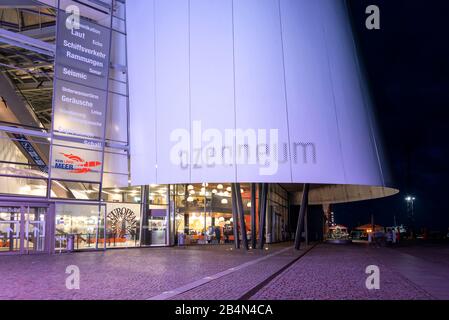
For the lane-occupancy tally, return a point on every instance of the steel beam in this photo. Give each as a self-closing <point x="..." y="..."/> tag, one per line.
<point x="28" y="132"/>
<point x="235" y="219"/>
<point x="262" y="213"/>
<point x="238" y="195"/>
<point x="306" y="227"/>
<point x="25" y="42"/>
<point x="302" y="211"/>
<point x="253" y="216"/>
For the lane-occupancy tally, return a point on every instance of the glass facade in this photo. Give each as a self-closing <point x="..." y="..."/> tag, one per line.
<point x="84" y="222"/>
<point x="277" y="214"/>
<point x="203" y="212"/>
<point x="52" y="150"/>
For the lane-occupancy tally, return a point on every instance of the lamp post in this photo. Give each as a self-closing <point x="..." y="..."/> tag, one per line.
<point x="410" y="211"/>
<point x="410" y="203"/>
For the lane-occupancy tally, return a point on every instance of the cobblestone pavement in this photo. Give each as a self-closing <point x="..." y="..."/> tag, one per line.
<point x="432" y="252"/>
<point x="118" y="274"/>
<point x="325" y="272"/>
<point x="338" y="272"/>
<point x="235" y="285"/>
<point x="426" y="265"/>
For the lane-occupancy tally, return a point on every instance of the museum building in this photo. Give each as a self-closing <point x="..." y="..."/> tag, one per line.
<point x="179" y="122"/>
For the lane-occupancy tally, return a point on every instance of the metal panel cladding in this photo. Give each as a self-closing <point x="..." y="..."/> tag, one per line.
<point x="248" y="91"/>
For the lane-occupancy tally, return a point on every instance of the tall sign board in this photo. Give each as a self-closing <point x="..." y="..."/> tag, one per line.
<point x="80" y="96"/>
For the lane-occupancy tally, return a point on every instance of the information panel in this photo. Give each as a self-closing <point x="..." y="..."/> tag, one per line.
<point x="83" y="53"/>
<point x="80" y="95"/>
<point x="79" y="110"/>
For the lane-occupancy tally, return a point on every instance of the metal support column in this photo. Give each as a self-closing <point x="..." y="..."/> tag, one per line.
<point x="253" y="216"/>
<point x="238" y="196"/>
<point x="50" y="229"/>
<point x="326" y="219"/>
<point x="235" y="219"/>
<point x="143" y="232"/>
<point x="262" y="213"/>
<point x="168" y="216"/>
<point x="302" y="211"/>
<point x="306" y="227"/>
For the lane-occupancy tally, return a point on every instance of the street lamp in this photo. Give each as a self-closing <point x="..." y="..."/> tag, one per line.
<point x="410" y="202"/>
<point x="410" y="208"/>
<point x="410" y="199"/>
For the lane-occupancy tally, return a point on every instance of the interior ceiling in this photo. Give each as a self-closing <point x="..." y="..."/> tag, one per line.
<point x="30" y="72"/>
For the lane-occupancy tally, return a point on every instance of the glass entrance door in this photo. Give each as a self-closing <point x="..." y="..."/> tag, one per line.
<point x="10" y="221"/>
<point x="23" y="229"/>
<point x="34" y="235"/>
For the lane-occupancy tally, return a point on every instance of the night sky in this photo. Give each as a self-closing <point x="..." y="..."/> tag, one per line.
<point x="407" y="65"/>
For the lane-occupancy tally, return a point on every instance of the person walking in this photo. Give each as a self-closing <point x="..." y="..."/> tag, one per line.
<point x="218" y="234"/>
<point x="389" y="237"/>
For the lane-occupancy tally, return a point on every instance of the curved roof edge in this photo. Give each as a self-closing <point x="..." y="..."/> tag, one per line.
<point x="339" y="193"/>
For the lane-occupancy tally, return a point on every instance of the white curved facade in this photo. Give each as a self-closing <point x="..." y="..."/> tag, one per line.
<point x="282" y="75"/>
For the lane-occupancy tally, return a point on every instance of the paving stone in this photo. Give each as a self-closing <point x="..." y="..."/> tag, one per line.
<point x="337" y="272"/>
<point x="118" y="274"/>
<point x="325" y="272"/>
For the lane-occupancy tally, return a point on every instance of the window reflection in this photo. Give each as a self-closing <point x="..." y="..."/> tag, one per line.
<point x="84" y="222"/>
<point x="74" y="190"/>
